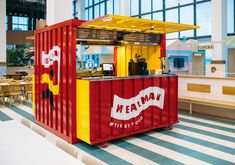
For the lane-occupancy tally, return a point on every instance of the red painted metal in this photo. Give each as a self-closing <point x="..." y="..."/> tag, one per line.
<point x="163" y="45"/>
<point x="115" y="61"/>
<point x="101" y="101"/>
<point x="59" y="115"/>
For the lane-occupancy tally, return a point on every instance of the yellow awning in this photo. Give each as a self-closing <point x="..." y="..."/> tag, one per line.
<point x="131" y="24"/>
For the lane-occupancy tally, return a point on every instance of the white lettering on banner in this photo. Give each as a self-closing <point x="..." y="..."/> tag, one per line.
<point x="53" y="55"/>
<point x="125" y="109"/>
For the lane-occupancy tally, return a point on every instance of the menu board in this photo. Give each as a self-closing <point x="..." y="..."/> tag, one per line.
<point x="142" y="37"/>
<point x="96" y="34"/>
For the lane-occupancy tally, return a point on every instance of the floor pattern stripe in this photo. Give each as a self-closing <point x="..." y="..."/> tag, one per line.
<point x="4" y="117"/>
<point x="196" y="139"/>
<point x="195" y="147"/>
<point x="93" y="150"/>
<point x="205" y="143"/>
<point x="183" y="150"/>
<point x="208" y="121"/>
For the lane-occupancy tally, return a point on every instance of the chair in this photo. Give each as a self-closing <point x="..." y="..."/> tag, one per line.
<point x="13" y="91"/>
<point x="28" y="92"/>
<point x="2" y="96"/>
<point x="39" y="131"/>
<point x="25" y="122"/>
<point x="64" y="146"/>
<point x="90" y="161"/>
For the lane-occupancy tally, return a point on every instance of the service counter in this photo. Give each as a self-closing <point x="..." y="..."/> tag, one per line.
<point x="203" y="87"/>
<point x="112" y="107"/>
<point x="214" y="96"/>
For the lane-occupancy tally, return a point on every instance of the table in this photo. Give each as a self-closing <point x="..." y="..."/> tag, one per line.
<point x="19" y="145"/>
<point x="4" y="84"/>
<point x="14" y="76"/>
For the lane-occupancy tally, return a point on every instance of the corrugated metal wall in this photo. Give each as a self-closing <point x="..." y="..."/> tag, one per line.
<point x="101" y="101"/>
<point x="57" y="111"/>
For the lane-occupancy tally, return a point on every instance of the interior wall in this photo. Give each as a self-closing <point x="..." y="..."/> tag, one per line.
<point x="198" y="65"/>
<point x="106" y="59"/>
<point x="231" y="62"/>
<point x="59" y="11"/>
<point x="13" y="70"/>
<point x="19" y="37"/>
<point x="127" y="52"/>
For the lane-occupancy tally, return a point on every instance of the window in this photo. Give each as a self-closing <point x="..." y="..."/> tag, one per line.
<point x="146" y="6"/>
<point x="97" y="11"/>
<point x="147" y="16"/>
<point x="158" y="16"/>
<point x="171" y="3"/>
<point x="86" y="3"/>
<point x="157" y="5"/>
<point x="134" y="7"/>
<point x="204" y="18"/>
<point x="187" y="17"/>
<point x="110" y="7"/>
<point x="116" y="7"/>
<point x="19" y="23"/>
<point x="172" y="16"/>
<point x="100" y="8"/>
<point x="183" y="2"/>
<point x="192" y="12"/>
<point x="75" y="8"/>
<point x="96" y="1"/>
<point x="6" y="23"/>
<point x="90" y="14"/>
<point x="230" y="16"/>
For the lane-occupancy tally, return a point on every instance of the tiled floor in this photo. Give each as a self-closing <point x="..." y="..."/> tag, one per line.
<point x="195" y="140"/>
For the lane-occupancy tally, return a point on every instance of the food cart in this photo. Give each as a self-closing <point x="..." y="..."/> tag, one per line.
<point x="100" y="109"/>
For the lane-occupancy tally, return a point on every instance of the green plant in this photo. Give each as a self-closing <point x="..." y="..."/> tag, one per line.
<point x="14" y="56"/>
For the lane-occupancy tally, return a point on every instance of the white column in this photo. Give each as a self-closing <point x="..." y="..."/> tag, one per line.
<point x="125" y="7"/>
<point x="219" y="33"/>
<point x="59" y="11"/>
<point x="2" y="37"/>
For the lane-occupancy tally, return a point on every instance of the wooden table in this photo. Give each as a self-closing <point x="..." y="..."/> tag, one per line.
<point x="19" y="145"/>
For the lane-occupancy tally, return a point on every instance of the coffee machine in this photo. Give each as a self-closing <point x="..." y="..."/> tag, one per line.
<point x="139" y="67"/>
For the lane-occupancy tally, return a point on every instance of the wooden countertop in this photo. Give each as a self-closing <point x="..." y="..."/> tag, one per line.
<point x="108" y="78"/>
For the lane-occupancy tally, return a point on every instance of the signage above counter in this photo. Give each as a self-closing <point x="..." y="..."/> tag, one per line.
<point x="114" y="37"/>
<point x="142" y="37"/>
<point x="96" y="34"/>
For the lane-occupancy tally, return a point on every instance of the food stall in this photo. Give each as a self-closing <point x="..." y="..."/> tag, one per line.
<point x="128" y="99"/>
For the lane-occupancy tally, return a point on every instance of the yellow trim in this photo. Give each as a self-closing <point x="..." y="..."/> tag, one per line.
<point x="83" y="110"/>
<point x="54" y="88"/>
<point x="33" y="94"/>
<point x="229" y="90"/>
<point x="204" y="88"/>
<point x="131" y="24"/>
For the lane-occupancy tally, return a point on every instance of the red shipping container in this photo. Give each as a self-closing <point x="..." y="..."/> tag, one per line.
<point x="55" y="78"/>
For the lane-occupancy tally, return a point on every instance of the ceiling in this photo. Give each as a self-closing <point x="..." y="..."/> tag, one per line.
<point x="30" y="8"/>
